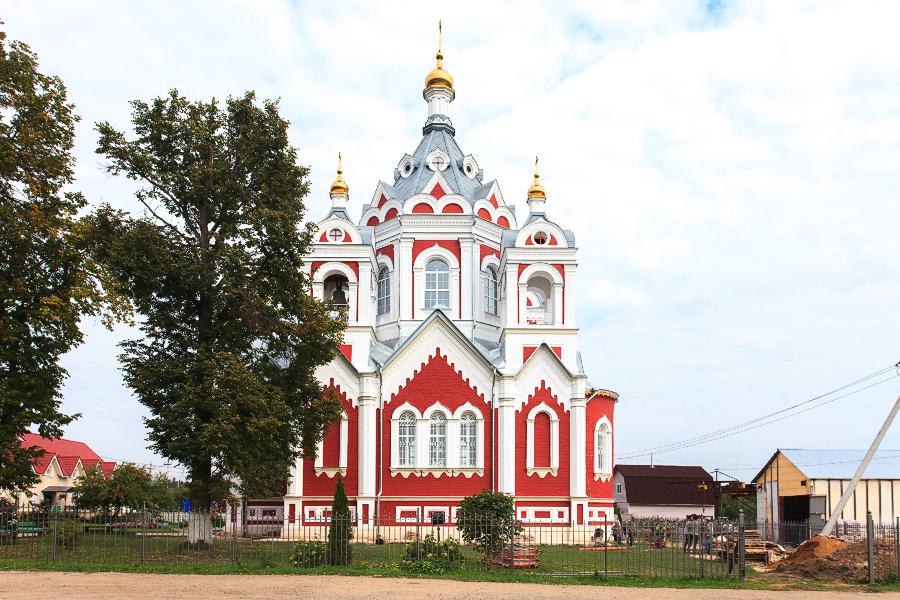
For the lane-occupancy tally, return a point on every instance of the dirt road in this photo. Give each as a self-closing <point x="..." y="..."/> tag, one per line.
<point x="16" y="585"/>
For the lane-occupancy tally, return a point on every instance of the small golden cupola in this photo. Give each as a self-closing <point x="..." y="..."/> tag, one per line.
<point x="439" y="77"/>
<point x="339" y="187"/>
<point x="536" y="190"/>
<point x="439" y="92"/>
<point x="536" y="194"/>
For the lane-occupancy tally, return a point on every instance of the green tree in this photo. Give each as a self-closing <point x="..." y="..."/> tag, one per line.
<point x="340" y="531"/>
<point x="128" y="486"/>
<point x="231" y="333"/>
<point x="488" y="520"/>
<point x="46" y="281"/>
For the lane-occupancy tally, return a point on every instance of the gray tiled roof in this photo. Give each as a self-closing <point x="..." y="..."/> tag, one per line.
<point x="438" y="136"/>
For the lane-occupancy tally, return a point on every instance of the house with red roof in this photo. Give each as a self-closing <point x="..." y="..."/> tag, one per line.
<point x="61" y="464"/>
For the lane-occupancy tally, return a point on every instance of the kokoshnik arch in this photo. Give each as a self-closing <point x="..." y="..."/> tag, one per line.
<point x="460" y="368"/>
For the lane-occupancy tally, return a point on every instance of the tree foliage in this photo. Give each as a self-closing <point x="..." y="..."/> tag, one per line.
<point x="231" y="334"/>
<point x="46" y="282"/>
<point x="488" y="520"/>
<point x="128" y="486"/>
<point x="340" y="531"/>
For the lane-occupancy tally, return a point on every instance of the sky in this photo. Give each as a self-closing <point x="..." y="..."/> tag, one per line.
<point x="730" y="171"/>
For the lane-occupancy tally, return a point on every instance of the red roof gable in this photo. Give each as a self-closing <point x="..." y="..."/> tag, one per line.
<point x="67" y="453"/>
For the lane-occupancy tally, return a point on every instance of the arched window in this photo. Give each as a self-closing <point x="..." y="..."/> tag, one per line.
<point x="437" y="456"/>
<point x="490" y="291"/>
<point x="384" y="291"/>
<point x="468" y="440"/>
<point x="407" y="440"/>
<point x="602" y="448"/>
<point x="437" y="284"/>
<point x="542" y="434"/>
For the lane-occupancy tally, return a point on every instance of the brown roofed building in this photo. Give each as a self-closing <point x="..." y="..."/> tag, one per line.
<point x="668" y="491"/>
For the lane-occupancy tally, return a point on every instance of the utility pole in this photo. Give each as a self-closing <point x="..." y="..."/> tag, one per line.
<point x="861" y="469"/>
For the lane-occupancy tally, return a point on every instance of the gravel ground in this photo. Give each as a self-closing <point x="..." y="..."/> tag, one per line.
<point x="16" y="585"/>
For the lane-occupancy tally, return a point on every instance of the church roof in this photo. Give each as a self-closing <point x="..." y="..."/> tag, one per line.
<point x="437" y="136"/>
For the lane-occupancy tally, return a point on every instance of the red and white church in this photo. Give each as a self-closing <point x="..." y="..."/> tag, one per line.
<point x="460" y="369"/>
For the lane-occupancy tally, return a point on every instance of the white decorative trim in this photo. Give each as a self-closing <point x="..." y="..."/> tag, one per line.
<point x="467" y="472"/>
<point x="558" y="514"/>
<point x="607" y="451"/>
<point x="554" y="441"/>
<point x="342" y="454"/>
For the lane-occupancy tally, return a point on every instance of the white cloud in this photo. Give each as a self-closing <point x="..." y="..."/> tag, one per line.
<point x="730" y="174"/>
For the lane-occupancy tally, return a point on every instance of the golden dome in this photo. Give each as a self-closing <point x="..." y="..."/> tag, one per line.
<point x="536" y="190"/>
<point x="439" y="77"/>
<point x="340" y="186"/>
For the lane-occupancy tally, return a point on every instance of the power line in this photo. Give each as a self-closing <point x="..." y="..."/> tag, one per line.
<point x="768" y="419"/>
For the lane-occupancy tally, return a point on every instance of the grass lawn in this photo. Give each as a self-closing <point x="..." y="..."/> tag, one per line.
<point x="640" y="566"/>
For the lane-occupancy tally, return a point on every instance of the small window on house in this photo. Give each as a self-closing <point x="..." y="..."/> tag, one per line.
<point x="407" y="440"/>
<point x="468" y="440"/>
<point x="437" y="456"/>
<point x="384" y="291"/>
<point x="618" y="488"/>
<point x="336" y="235"/>
<point x="803" y="482"/>
<point x="540" y="238"/>
<point x="603" y="448"/>
<point x="490" y="291"/>
<point x="437" y="284"/>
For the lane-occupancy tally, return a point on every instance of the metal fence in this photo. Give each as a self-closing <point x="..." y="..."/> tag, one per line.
<point x="640" y="547"/>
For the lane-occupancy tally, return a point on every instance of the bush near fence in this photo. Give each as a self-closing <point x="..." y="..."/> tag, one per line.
<point x="658" y="548"/>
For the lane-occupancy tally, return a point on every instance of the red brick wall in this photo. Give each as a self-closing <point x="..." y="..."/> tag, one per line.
<point x="435" y="381"/>
<point x="597" y="408"/>
<point x="548" y="485"/>
<point x="322" y="485"/>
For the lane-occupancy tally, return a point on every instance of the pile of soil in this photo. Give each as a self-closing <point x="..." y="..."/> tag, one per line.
<point x="818" y="546"/>
<point x="831" y="559"/>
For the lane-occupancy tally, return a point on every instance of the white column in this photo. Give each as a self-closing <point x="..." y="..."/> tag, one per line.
<point x="366" y="442"/>
<point x="512" y="296"/>
<point x="570" y="295"/>
<point x="523" y="303"/>
<point x="403" y="270"/>
<point x="466" y="275"/>
<point x="352" y="302"/>
<point x="557" y="303"/>
<point x="506" y="446"/>
<point x="577" y="448"/>
<point x="366" y="314"/>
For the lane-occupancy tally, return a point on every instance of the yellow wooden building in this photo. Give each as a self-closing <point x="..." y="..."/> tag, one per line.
<point x="805" y="485"/>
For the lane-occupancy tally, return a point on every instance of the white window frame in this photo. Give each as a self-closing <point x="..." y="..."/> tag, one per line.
<point x="437" y="440"/>
<point x="491" y="291"/>
<point x="435" y="287"/>
<point x="342" y="458"/>
<point x="410" y="462"/>
<point x="554" y="441"/>
<point x="604" y="469"/>
<point x="453" y="463"/>
<point x="383" y="287"/>
<point x="468" y="440"/>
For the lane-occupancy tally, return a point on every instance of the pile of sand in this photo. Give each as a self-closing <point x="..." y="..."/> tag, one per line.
<point x="831" y="559"/>
<point x="818" y="546"/>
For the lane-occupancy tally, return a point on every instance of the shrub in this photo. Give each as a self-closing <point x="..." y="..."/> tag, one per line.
<point x="341" y="530"/>
<point x="309" y="553"/>
<point x="66" y="533"/>
<point x="487" y="520"/>
<point x="431" y="557"/>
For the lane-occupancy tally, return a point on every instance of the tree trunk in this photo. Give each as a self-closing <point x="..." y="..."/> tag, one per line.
<point x="200" y="529"/>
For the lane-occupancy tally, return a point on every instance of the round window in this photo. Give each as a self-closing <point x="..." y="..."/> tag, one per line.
<point x="540" y="238"/>
<point x="336" y="235"/>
